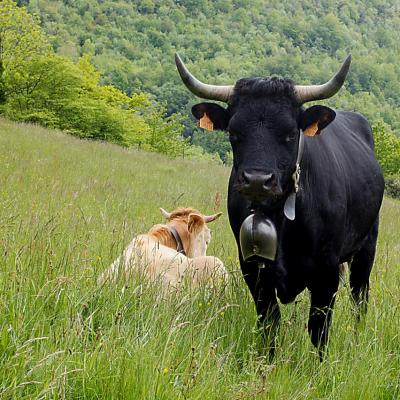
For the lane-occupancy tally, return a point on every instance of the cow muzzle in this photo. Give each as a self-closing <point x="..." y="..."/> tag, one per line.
<point x="257" y="185"/>
<point x="258" y="238"/>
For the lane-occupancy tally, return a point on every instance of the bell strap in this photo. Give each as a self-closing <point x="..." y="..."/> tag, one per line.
<point x="290" y="203"/>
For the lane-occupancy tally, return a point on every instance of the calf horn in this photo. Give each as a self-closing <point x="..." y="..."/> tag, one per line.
<point x="165" y="213"/>
<point x="211" y="218"/>
<point x="328" y="89"/>
<point x="200" y="89"/>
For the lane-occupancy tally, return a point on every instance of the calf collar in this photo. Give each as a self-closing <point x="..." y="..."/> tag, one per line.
<point x="290" y="203"/>
<point x="178" y="240"/>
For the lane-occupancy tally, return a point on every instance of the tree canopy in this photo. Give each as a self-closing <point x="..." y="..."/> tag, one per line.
<point x="133" y="43"/>
<point x="105" y="69"/>
<point x="38" y="85"/>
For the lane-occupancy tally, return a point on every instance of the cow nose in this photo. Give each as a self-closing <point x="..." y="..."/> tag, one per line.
<point x="257" y="184"/>
<point x="266" y="180"/>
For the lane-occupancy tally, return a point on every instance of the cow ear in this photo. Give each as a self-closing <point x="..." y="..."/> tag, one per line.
<point x="196" y="222"/>
<point x="316" y="118"/>
<point x="211" y="116"/>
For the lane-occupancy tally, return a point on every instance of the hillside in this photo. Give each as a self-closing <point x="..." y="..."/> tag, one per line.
<point x="68" y="207"/>
<point x="224" y="40"/>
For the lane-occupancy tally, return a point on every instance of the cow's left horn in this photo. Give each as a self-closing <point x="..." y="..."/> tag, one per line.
<point x="328" y="89"/>
<point x="200" y="89"/>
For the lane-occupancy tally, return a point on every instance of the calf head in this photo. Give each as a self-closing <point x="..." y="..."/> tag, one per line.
<point x="192" y="228"/>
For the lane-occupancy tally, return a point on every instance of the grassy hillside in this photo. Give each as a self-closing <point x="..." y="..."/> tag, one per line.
<point x="69" y="206"/>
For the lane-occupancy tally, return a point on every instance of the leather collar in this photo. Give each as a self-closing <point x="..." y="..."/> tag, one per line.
<point x="178" y="240"/>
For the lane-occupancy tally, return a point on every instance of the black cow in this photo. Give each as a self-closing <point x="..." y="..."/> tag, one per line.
<point x="339" y="195"/>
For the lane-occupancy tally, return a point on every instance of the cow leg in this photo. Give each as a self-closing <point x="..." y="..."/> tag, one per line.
<point x="323" y="293"/>
<point x="360" y="270"/>
<point x="259" y="282"/>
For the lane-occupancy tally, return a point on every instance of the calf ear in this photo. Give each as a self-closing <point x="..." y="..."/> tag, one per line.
<point x="196" y="222"/>
<point x="316" y="118"/>
<point x="211" y="116"/>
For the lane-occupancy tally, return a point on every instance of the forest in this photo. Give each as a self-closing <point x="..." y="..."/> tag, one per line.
<point x="225" y="40"/>
<point x="127" y="47"/>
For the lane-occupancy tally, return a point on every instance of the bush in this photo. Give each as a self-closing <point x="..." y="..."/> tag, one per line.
<point x="392" y="186"/>
<point x="92" y="119"/>
<point x="387" y="148"/>
<point x="70" y="97"/>
<point x="42" y="117"/>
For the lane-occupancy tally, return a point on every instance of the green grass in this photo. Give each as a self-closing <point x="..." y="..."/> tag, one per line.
<point x="67" y="209"/>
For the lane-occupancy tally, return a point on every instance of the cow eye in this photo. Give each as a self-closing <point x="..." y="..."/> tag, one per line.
<point x="292" y="135"/>
<point x="233" y="135"/>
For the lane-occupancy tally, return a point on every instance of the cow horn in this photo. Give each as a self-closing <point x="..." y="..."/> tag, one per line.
<point x="200" y="89"/>
<point x="165" y="213"/>
<point x="328" y="89"/>
<point x="211" y="218"/>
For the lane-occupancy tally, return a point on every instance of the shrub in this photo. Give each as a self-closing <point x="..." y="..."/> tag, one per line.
<point x="392" y="186"/>
<point x="387" y="148"/>
<point x="42" y="117"/>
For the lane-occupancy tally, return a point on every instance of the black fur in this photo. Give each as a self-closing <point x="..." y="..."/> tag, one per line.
<point x="341" y="189"/>
<point x="265" y="87"/>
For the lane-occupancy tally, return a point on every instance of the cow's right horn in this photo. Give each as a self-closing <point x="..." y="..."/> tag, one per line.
<point x="328" y="89"/>
<point x="200" y="89"/>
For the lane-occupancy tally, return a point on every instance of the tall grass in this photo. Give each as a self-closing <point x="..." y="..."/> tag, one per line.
<point x="68" y="207"/>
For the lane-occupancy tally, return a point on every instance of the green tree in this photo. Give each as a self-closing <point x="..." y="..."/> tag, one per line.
<point x="21" y="43"/>
<point x="216" y="142"/>
<point x="38" y="85"/>
<point x="165" y="134"/>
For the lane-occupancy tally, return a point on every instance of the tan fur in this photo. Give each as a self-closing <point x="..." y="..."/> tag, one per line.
<point x="155" y="253"/>
<point x="196" y="223"/>
<point x="183" y="220"/>
<point x="161" y="234"/>
<point x="205" y="123"/>
<point x="312" y="129"/>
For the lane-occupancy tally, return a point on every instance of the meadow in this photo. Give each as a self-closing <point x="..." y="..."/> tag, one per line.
<point x="68" y="208"/>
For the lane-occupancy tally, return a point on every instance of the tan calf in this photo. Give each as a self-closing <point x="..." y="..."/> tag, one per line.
<point x="173" y="252"/>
